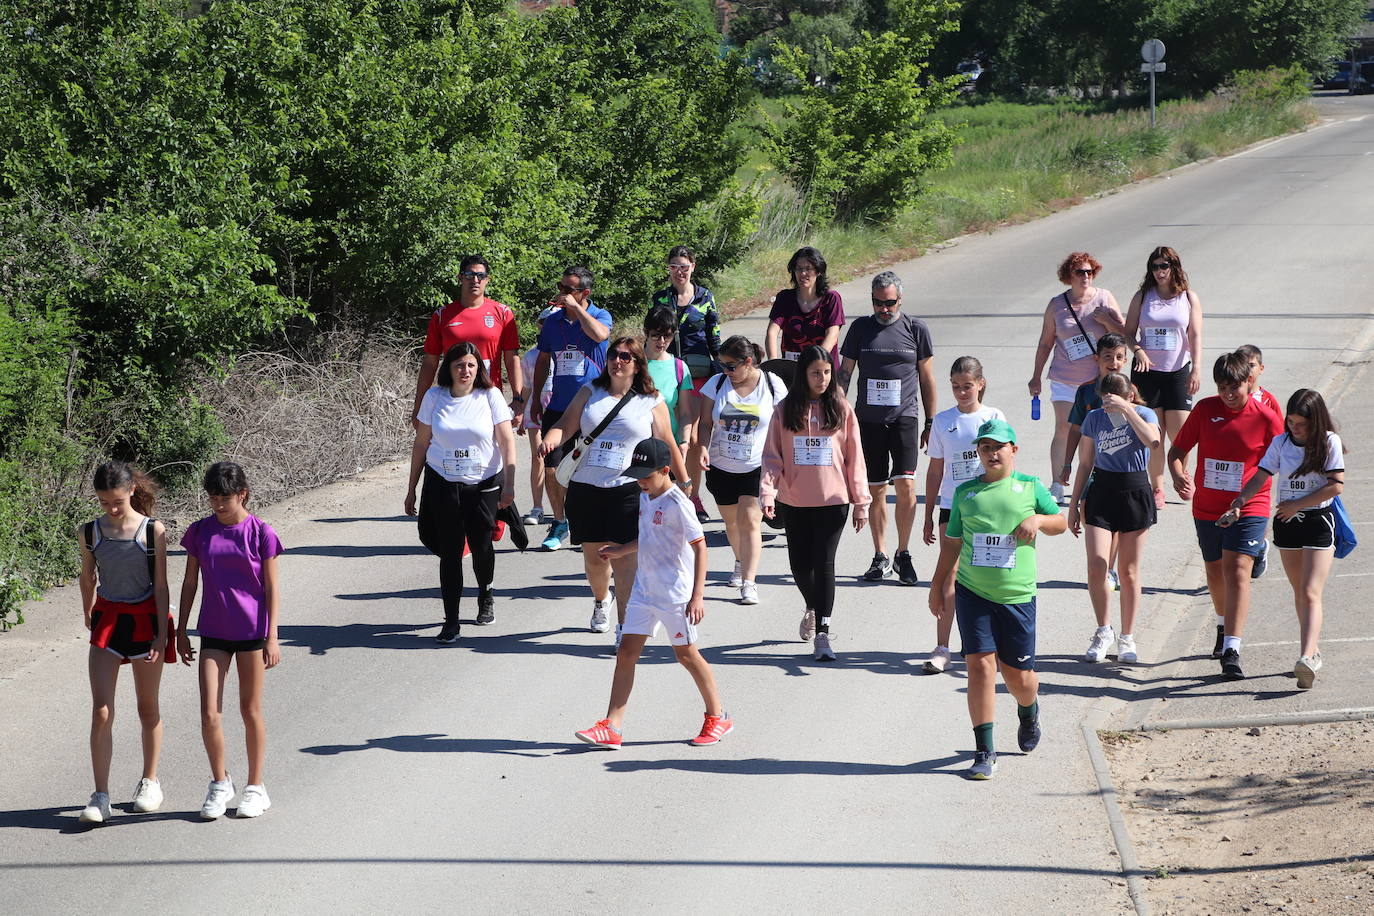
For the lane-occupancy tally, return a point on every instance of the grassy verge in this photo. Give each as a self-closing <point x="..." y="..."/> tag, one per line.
<point x="1014" y="163"/>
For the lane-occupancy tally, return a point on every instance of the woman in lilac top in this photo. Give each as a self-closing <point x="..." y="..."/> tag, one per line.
<point x="809" y="313"/>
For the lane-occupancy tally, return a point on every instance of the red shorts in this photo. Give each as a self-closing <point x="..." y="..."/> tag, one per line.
<point x="128" y="630"/>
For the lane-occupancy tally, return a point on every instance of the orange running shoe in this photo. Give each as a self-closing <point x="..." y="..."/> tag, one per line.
<point x="713" y="729"/>
<point x="602" y="734"/>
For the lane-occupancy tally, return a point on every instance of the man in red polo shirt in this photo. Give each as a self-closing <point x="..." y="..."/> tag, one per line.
<point x="485" y="323"/>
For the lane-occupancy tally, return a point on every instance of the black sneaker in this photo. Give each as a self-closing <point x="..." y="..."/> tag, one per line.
<point x="878" y="569"/>
<point x="486" y="612"/>
<point x="984" y="765"/>
<point x="449" y="633"/>
<point x="1028" y="733"/>
<point x="1230" y="666"/>
<point x="906" y="573"/>
<point x="1261" y="562"/>
<point x="1221" y="639"/>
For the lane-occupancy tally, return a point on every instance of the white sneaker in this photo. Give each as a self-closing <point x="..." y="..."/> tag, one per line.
<point x="97" y="810"/>
<point x="1306" y="670"/>
<point x="748" y="593"/>
<point x="807" y="630"/>
<point x="1113" y="581"/>
<point x="1125" y="650"/>
<point x="1057" y="491"/>
<point x="254" y="801"/>
<point x="217" y="798"/>
<point x="1102" y="641"/>
<point x="824" y="653"/>
<point x="148" y="796"/>
<point x="600" y="622"/>
<point x="736" y="578"/>
<point x="938" y="661"/>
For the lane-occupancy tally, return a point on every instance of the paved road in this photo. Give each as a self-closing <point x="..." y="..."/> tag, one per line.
<point x="428" y="778"/>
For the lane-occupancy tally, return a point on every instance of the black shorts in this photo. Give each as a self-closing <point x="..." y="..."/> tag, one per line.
<point x="1165" y="390"/>
<point x="728" y="486"/>
<point x="231" y="645"/>
<point x="1120" y="501"/>
<point x="1311" y="529"/>
<point x="890" y="449"/>
<point x="944" y="516"/>
<point x="597" y="514"/>
<point x="548" y="422"/>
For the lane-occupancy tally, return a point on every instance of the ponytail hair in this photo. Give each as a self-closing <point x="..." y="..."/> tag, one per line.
<point x="741" y="348"/>
<point x="1316" y="451"/>
<point x="1117" y="384"/>
<point x="969" y="365"/>
<point x="226" y="478"/>
<point x="120" y="475"/>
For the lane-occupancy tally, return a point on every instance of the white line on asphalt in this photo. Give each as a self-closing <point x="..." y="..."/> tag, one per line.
<point x="1294" y="642"/>
<point x="1352" y="575"/>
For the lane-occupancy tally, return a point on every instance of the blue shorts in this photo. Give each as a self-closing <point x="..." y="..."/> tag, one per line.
<point x="1245" y="536"/>
<point x="986" y="626"/>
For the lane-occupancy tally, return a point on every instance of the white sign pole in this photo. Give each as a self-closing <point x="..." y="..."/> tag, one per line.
<point x="1152" y="52"/>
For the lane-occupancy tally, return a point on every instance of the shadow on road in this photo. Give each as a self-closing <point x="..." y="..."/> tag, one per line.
<point x="953" y="765"/>
<point x="64" y="819"/>
<point x="443" y="744"/>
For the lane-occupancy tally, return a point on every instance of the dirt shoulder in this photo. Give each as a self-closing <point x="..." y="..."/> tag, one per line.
<point x="1275" y="819"/>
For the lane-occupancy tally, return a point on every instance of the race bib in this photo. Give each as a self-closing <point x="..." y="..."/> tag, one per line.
<point x="813" y="451"/>
<point x="462" y="462"/>
<point x="571" y="362"/>
<point x="739" y="446"/>
<point x="1290" y="489"/>
<point x="608" y="453"/>
<point x="995" y="550"/>
<point x="965" y="465"/>
<point x="1166" y="339"/>
<point x="1222" y="475"/>
<point x="1078" y="346"/>
<point x="885" y="392"/>
<point x="793" y="355"/>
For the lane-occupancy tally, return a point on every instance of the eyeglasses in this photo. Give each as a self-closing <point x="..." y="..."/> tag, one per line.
<point x="564" y="288"/>
<point x="478" y="275"/>
<point x="886" y="303"/>
<point x="1084" y="271"/>
<point x="804" y="269"/>
<point x="622" y="356"/>
<point x="679" y="268"/>
<point x="1163" y="265"/>
<point x="660" y="335"/>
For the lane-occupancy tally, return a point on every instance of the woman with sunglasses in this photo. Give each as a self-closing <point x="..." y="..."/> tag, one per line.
<point x="602" y="503"/>
<point x="1164" y="327"/>
<point x="1073" y="322"/>
<point x="810" y="312"/>
<point x="734" y="421"/>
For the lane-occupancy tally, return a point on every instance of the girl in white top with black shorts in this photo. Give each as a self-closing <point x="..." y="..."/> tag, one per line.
<point x="602" y="504"/>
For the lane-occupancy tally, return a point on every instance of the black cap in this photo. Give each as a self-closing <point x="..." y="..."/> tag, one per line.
<point x="650" y="455"/>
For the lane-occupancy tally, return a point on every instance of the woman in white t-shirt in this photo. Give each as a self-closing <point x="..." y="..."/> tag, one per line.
<point x="1307" y="463"/>
<point x="732" y="429"/>
<point x="602" y="504"/>
<point x="953" y="460"/>
<point x="465" y="448"/>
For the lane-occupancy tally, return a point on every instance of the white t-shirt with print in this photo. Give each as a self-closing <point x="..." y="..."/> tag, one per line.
<point x="461" y="447"/>
<point x="951" y="439"/>
<point x="610" y="454"/>
<point x="1284" y="456"/>
<point x="667" y="526"/>
<point x="741" y="423"/>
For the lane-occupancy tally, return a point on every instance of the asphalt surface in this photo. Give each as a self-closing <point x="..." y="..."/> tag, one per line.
<point x="427" y="778"/>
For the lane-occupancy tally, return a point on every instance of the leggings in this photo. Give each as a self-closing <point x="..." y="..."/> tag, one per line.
<point x="813" y="535"/>
<point x="453" y="515"/>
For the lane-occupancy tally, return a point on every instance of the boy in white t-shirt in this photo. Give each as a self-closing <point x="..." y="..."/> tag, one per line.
<point x="668" y="590"/>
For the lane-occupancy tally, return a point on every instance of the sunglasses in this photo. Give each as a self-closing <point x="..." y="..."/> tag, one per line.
<point x="661" y="335"/>
<point x="622" y="356"/>
<point x="564" y="288"/>
<point x="478" y="275"/>
<point x="730" y="367"/>
<point x="1084" y="271"/>
<point x="1162" y="265"/>
<point x="886" y="303"/>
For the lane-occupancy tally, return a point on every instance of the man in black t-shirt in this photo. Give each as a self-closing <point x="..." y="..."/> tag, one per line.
<point x="892" y="351"/>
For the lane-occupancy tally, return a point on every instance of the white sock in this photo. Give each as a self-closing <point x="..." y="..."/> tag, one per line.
<point x="1127" y="636"/>
<point x="1221" y="621"/>
<point x="1230" y="642"/>
<point x="1103" y="631"/>
<point x="942" y="648"/>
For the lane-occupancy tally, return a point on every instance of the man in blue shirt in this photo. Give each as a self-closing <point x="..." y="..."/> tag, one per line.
<point x="572" y="345"/>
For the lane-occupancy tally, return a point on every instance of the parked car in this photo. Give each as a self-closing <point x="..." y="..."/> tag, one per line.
<point x="970" y="69"/>
<point x="1339" y="78"/>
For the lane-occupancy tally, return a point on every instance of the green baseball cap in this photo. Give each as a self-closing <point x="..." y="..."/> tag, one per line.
<point x="996" y="430"/>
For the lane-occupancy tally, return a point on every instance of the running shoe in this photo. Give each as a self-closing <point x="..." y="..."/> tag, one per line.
<point x="1159" y="498"/>
<point x="713" y="729"/>
<point x="486" y="609"/>
<point x="1230" y="666"/>
<point x="602" y="734"/>
<point x="1057" y="491"/>
<point x="906" y="573"/>
<point x="938" y="661"/>
<point x="1261" y="562"/>
<point x="878" y="568"/>
<point x="1102" y="641"/>
<point x="254" y="802"/>
<point x="448" y="633"/>
<point x="736" y="577"/>
<point x="1306" y="670"/>
<point x="748" y="593"/>
<point x="97" y="810"/>
<point x="984" y="765"/>
<point x="148" y="796"/>
<point x="600" y="622"/>
<point x="807" y="630"/>
<point x="1221" y="639"/>
<point x="1113" y="582"/>
<point x="823" y="651"/>
<point x="217" y="799"/>
<point x="533" y="517"/>
<point x="1028" y="733"/>
<point x="557" y="536"/>
<point x="702" y="515"/>
<point x="1125" y="650"/>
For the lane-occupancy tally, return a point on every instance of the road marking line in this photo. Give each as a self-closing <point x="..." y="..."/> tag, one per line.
<point x="1294" y="642"/>
<point x="1352" y="575"/>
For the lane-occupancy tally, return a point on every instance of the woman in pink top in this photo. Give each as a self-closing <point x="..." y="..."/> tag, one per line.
<point x="1074" y="320"/>
<point x="1164" y="327"/>
<point x="814" y="467"/>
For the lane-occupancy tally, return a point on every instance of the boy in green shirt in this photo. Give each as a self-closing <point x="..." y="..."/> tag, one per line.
<point x="990" y="538"/>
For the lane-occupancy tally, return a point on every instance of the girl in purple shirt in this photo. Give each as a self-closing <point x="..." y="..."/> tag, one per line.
<point x="236" y="554"/>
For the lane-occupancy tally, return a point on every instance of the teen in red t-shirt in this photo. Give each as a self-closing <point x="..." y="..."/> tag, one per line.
<point x="1231" y="432"/>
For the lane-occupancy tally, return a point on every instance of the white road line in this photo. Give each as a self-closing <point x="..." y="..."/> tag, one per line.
<point x="1294" y="642"/>
<point x="1351" y="575"/>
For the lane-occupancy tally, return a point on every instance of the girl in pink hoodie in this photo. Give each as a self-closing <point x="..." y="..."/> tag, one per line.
<point x="813" y="469"/>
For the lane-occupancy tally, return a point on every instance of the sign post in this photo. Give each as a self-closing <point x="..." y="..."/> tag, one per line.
<point x="1152" y="52"/>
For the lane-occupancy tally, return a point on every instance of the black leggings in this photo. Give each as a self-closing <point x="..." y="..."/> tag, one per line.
<point x="452" y="515"/>
<point x="813" y="535"/>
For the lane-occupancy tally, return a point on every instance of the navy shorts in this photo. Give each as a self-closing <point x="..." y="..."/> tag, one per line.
<point x="1245" y="536"/>
<point x="986" y="626"/>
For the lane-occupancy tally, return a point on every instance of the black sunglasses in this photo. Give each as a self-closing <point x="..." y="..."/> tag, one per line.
<point x="886" y="303"/>
<point x="475" y="274"/>
<point x="562" y="288"/>
<point x="622" y="356"/>
<point x="1084" y="271"/>
<point x="1163" y="265"/>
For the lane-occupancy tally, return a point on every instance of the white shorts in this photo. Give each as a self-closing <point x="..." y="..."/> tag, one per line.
<point x="643" y="620"/>
<point x="1062" y="392"/>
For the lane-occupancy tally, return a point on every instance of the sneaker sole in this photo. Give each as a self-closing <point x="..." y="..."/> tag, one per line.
<point x="483" y="621"/>
<point x="594" y="743"/>
<point x="695" y="743"/>
<point x="928" y="668"/>
<point x="238" y="812"/>
<point x="749" y="601"/>
<point x="1127" y="659"/>
<point x="145" y="809"/>
<point x="981" y="777"/>
<point x="205" y="816"/>
<point x="98" y="819"/>
<point x="1306" y="676"/>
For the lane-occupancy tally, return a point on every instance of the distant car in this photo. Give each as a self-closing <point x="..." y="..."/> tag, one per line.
<point x="970" y="70"/>
<point x="1339" y="78"/>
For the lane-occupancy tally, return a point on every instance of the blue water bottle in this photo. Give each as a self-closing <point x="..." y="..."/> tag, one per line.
<point x="1035" y="407"/>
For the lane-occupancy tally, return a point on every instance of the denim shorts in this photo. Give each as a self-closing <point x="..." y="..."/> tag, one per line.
<point x="1245" y="536"/>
